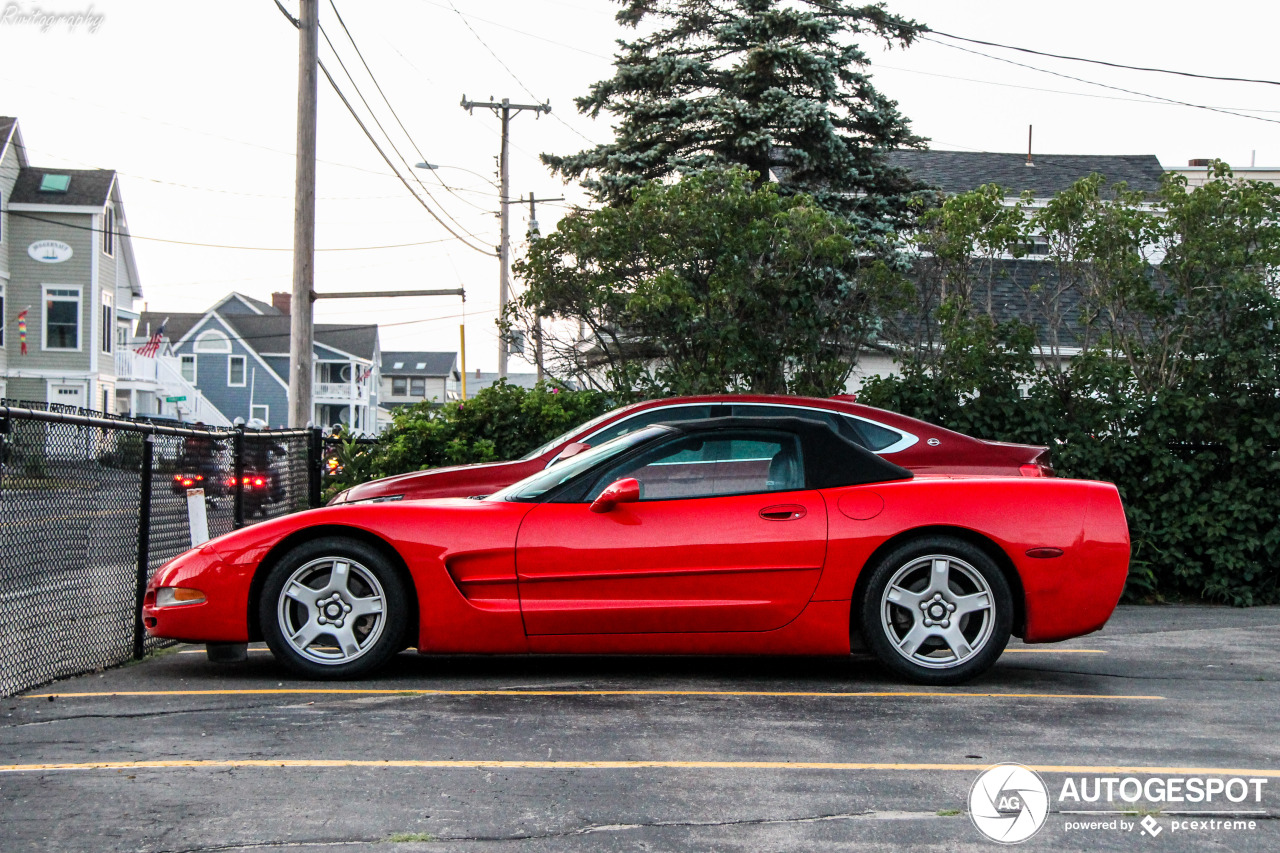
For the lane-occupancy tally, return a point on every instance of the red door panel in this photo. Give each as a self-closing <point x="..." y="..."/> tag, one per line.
<point x="706" y="564"/>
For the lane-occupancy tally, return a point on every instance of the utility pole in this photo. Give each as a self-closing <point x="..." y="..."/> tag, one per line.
<point x="503" y="109"/>
<point x="301" y="326"/>
<point x="533" y="232"/>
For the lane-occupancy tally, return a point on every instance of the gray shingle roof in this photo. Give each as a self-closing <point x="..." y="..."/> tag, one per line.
<point x="434" y="363"/>
<point x="269" y="333"/>
<point x="961" y="171"/>
<point x="87" y="187"/>
<point x="179" y="324"/>
<point x="1023" y="290"/>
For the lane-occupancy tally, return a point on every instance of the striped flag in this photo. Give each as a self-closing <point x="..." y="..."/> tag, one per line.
<point x="152" y="346"/>
<point x="22" y="329"/>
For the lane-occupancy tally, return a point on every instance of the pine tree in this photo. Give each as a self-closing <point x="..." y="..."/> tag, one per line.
<point x="779" y="87"/>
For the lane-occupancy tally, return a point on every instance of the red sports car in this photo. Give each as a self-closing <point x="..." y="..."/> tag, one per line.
<point x="916" y="445"/>
<point x="721" y="536"/>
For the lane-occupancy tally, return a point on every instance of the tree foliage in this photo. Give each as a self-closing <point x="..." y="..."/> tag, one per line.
<point x="761" y="84"/>
<point x="708" y="285"/>
<point x="1176" y="395"/>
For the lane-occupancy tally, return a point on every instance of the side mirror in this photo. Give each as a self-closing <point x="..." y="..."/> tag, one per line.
<point x="624" y="491"/>
<point x="572" y="450"/>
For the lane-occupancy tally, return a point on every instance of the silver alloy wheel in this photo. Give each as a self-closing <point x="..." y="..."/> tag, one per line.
<point x="332" y="610"/>
<point x="937" y="611"/>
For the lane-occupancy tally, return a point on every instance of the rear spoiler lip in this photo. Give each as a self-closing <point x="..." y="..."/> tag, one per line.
<point x="1034" y="454"/>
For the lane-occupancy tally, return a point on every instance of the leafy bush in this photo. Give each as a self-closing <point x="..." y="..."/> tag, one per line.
<point x="500" y="422"/>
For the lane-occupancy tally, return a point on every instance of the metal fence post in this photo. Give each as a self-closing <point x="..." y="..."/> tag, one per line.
<point x="237" y="466"/>
<point x="144" y="544"/>
<point x="315" y="466"/>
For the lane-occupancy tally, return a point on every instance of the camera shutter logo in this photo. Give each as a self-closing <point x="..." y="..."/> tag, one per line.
<point x="1008" y="803"/>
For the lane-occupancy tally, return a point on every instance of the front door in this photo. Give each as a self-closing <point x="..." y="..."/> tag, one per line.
<point x="724" y="538"/>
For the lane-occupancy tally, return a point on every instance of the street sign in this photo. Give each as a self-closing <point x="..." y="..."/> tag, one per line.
<point x="174" y="399"/>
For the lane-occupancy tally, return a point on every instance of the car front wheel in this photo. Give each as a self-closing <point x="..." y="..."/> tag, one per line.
<point x="334" y="608"/>
<point x="937" y="611"/>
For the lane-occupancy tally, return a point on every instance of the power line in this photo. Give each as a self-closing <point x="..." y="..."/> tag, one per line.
<point x="394" y="114"/>
<point x="390" y="142"/>
<point x="507" y="68"/>
<point x="334" y="84"/>
<point x="133" y="236"/>
<point x="434" y="215"/>
<point x="1102" y="85"/>
<point x="1055" y="91"/>
<point x="521" y="32"/>
<point x="1109" y="64"/>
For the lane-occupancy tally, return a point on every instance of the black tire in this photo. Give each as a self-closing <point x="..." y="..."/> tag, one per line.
<point x="321" y="639"/>
<point x="913" y="629"/>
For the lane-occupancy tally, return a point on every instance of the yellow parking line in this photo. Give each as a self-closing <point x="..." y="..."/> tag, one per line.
<point x="629" y="765"/>
<point x="410" y="691"/>
<point x="1006" y="651"/>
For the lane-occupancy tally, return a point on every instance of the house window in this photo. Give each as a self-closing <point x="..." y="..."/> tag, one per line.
<point x="108" y="324"/>
<point x="212" y="341"/>
<point x="235" y="370"/>
<point x="188" y="363"/>
<point x="418" y="387"/>
<point x="62" y="318"/>
<point x="262" y="413"/>
<point x="399" y="386"/>
<point x="108" y="230"/>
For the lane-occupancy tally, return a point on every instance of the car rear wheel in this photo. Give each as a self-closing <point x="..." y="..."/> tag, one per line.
<point x="937" y="610"/>
<point x="334" y="608"/>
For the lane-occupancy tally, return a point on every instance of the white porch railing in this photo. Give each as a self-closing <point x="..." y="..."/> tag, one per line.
<point x="166" y="372"/>
<point x="340" y="392"/>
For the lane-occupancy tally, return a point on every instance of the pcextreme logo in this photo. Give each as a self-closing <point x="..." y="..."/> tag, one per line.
<point x="1008" y="803"/>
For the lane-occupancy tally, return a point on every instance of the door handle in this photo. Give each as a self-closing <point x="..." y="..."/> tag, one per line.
<point x="783" y="512"/>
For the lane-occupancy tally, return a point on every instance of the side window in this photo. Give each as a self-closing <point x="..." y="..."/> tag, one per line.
<point x="870" y="435"/>
<point x="873" y="436"/>
<point x="702" y="466"/>
<point x="661" y="414"/>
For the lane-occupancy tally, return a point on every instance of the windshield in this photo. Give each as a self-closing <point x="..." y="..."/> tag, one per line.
<point x="535" y="486"/>
<point x="565" y="436"/>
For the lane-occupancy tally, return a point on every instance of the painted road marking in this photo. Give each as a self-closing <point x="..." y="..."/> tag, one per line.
<point x="627" y="765"/>
<point x="1006" y="651"/>
<point x="409" y="691"/>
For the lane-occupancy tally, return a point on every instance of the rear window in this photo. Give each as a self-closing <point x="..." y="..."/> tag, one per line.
<point x="870" y="435"/>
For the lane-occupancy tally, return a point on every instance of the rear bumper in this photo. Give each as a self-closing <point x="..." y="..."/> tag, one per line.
<point x="1068" y="598"/>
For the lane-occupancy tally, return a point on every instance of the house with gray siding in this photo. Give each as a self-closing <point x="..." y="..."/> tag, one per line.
<point x="236" y="353"/>
<point x="416" y="377"/>
<point x="66" y="259"/>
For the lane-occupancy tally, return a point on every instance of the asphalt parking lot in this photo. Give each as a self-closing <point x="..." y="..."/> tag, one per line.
<point x="177" y="754"/>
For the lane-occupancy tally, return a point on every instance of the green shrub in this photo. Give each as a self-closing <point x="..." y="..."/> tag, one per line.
<point x="500" y="422"/>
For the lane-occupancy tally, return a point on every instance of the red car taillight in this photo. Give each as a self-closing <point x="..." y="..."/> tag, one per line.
<point x="1033" y="470"/>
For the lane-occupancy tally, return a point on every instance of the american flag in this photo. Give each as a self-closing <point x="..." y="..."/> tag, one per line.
<point x="152" y="346"/>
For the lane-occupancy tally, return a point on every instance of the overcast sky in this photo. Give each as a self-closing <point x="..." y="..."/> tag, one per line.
<point x="194" y="105"/>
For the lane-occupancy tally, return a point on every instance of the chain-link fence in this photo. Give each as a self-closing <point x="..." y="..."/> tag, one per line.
<point x="91" y="506"/>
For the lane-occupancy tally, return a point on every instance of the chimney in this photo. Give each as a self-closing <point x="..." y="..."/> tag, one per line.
<point x="1201" y="163"/>
<point x="280" y="302"/>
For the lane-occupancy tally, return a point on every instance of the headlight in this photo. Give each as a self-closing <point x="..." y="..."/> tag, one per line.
<point x="174" y="596"/>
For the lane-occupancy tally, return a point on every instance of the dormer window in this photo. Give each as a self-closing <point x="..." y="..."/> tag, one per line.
<point x="54" y="183"/>
<point x="109" y="231"/>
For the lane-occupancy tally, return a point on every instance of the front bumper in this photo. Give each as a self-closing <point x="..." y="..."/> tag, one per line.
<point x="222" y="617"/>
